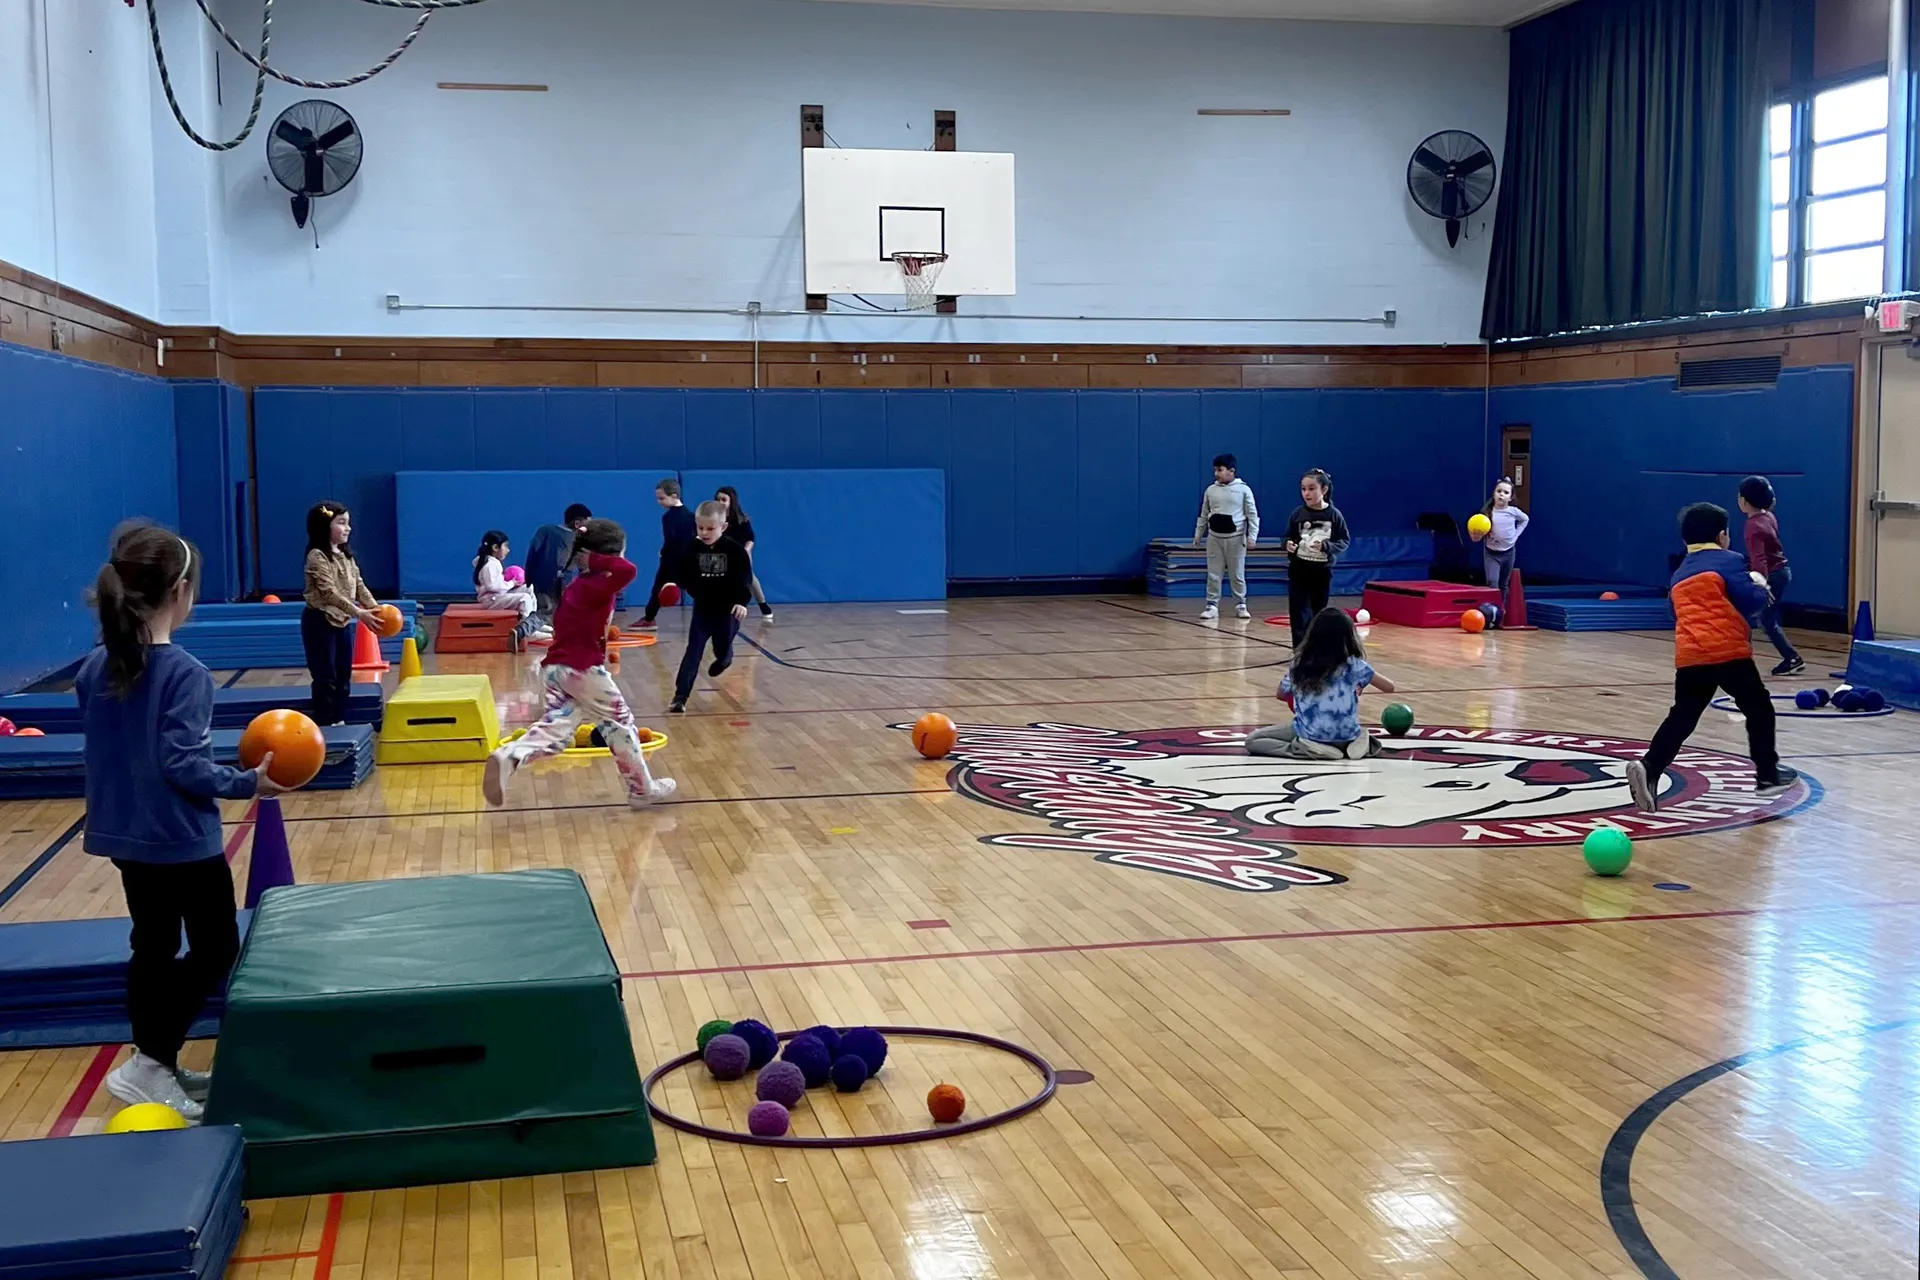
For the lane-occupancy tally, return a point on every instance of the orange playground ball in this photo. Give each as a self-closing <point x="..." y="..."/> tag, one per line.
<point x="934" y="735"/>
<point x="269" y="599"/>
<point x="669" y="595"/>
<point x="945" y="1103"/>
<point x="29" y="733"/>
<point x="1609" y="595"/>
<point x="645" y="735"/>
<point x="390" y="621"/>
<point x="613" y="633"/>
<point x="295" y="742"/>
<point x="1473" y="620"/>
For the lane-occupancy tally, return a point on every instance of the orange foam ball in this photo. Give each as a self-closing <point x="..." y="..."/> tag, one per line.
<point x="1473" y="620"/>
<point x="645" y="735"/>
<point x="945" y="1103"/>
<point x="295" y="742"/>
<point x="29" y="733"/>
<point x="934" y="735"/>
<point x="269" y="599"/>
<point x="1609" y="595"/>
<point x="613" y="633"/>
<point x="390" y="621"/>
<point x="669" y="595"/>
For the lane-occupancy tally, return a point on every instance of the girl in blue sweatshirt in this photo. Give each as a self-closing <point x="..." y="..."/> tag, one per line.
<point x="152" y="805"/>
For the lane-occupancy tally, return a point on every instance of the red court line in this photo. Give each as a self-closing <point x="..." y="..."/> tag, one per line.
<point x="83" y="1092"/>
<point x="240" y="831"/>
<point x="1141" y="944"/>
<point x="329" y="1239"/>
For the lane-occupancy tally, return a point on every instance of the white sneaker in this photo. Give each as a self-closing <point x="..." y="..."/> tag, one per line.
<point x="1240" y="611"/>
<point x="1645" y="797"/>
<point x="660" y="790"/>
<point x="500" y="771"/>
<point x="1209" y="613"/>
<point x="141" y="1079"/>
<point x="195" y="1084"/>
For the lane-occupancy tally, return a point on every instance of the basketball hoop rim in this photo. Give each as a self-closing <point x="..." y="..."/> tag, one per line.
<point x="914" y="263"/>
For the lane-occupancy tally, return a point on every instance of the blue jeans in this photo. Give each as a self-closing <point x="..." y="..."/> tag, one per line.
<point x="703" y="628"/>
<point x="1778" y="581"/>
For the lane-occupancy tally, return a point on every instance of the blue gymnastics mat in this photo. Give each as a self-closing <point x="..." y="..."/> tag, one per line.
<point x="1891" y="666"/>
<point x="232" y="708"/>
<point x="64" y="983"/>
<point x="1177" y="569"/>
<point x="233" y="636"/>
<point x="1600" y="615"/>
<point x="54" y="767"/>
<point x="130" y="1206"/>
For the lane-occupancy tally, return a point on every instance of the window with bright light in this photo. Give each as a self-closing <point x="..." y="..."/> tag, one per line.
<point x="1827" y="178"/>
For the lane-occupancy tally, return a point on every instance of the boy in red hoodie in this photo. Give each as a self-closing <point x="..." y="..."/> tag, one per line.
<point x="577" y="680"/>
<point x="1714" y="599"/>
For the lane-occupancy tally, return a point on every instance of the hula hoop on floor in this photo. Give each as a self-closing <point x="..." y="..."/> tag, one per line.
<point x="1828" y="712"/>
<point x="1050" y="1083"/>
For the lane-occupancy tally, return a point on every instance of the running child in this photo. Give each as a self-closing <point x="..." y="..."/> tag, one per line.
<point x="715" y="571"/>
<point x="740" y="529"/>
<point x="490" y="585"/>
<point x="551" y="547"/>
<point x="1509" y="522"/>
<point x="1230" y="523"/>
<point x="337" y="597"/>
<point x="676" y="536"/>
<point x="575" y="674"/>
<point x="1714" y="599"/>
<point x="153" y="793"/>
<point x="1316" y="539"/>
<point x="1766" y="557"/>
<point x="1325" y="679"/>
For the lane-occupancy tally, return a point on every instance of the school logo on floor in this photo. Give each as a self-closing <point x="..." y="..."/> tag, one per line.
<point x="1190" y="802"/>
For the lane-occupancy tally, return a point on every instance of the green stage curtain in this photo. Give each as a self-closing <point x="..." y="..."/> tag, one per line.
<point x="1634" y="164"/>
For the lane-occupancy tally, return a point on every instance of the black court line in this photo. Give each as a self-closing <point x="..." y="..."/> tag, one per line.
<point x="234" y="679"/>
<point x="1848" y="755"/>
<point x="897" y="675"/>
<point x="595" y="806"/>
<point x="34" y="868"/>
<point x="1616" y="1165"/>
<point x="1167" y="615"/>
<point x="999" y="653"/>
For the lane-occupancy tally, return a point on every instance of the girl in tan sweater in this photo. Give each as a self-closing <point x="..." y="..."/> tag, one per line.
<point x="336" y="598"/>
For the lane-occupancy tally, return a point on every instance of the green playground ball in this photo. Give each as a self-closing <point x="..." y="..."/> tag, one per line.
<point x="1397" y="718"/>
<point x="708" y="1030"/>
<point x="1608" y="851"/>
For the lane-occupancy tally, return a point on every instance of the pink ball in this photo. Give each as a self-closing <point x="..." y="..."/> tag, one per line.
<point x="767" y="1120"/>
<point x="514" y="573"/>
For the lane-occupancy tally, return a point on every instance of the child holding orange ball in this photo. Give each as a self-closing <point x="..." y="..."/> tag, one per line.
<point x="337" y="597"/>
<point x="153" y="792"/>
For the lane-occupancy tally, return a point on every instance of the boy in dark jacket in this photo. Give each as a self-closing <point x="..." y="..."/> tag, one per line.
<point x="1715" y="599"/>
<point x="718" y="573"/>
<point x="676" y="539"/>
<point x="551" y="546"/>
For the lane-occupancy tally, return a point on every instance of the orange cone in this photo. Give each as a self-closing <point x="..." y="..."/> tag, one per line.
<point x="366" y="651"/>
<point x="272" y="863"/>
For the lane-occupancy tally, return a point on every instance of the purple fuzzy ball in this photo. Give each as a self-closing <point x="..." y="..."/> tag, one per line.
<point x="808" y="1054"/>
<point x="762" y="1044"/>
<point x="849" y="1072"/>
<point x="828" y="1037"/>
<point x="869" y="1044"/>
<point x="767" y="1120"/>
<point x="726" y="1057"/>
<point x="781" y="1082"/>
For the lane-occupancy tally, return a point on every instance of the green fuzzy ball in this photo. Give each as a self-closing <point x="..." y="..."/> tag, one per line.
<point x="708" y="1030"/>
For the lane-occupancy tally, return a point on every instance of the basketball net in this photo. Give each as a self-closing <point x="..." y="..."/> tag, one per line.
<point x="919" y="272"/>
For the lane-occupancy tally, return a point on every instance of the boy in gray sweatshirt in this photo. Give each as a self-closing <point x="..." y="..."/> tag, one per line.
<point x="1230" y="524"/>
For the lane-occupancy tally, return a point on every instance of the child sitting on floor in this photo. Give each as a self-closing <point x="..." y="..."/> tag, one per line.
<point x="1329" y="670"/>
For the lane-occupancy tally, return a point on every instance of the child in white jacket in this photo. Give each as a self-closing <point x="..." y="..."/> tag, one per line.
<point x="490" y="585"/>
<point x="1230" y="524"/>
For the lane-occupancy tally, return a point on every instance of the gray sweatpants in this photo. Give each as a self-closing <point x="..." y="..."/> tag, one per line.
<point x="1281" y="740"/>
<point x="1226" y="556"/>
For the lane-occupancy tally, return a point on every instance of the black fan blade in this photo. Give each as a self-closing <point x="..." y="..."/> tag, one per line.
<point x="301" y="207"/>
<point x="1429" y="161"/>
<point x="1452" y="203"/>
<point x="336" y="135"/>
<point x="1453" y="233"/>
<point x="314" y="182"/>
<point x="289" y="132"/>
<point x="1474" y="164"/>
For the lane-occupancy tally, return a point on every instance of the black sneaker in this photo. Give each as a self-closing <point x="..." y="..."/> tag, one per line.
<point x="719" y="667"/>
<point x="766" y="611"/>
<point x="678" y="707"/>
<point x="1791" y="666"/>
<point x="1783" y="777"/>
<point x="1645" y="798"/>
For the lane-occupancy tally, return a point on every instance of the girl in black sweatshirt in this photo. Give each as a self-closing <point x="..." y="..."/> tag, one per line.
<point x="1316" y="538"/>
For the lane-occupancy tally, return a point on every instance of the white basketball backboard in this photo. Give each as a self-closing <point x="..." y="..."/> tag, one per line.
<point x="862" y="206"/>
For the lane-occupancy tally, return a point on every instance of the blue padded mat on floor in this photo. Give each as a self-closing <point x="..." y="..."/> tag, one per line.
<point x="131" y="1206"/>
<point x="232" y="708"/>
<point x="1600" y="615"/>
<point x="229" y="637"/>
<point x="53" y="767"/>
<point x="1891" y="666"/>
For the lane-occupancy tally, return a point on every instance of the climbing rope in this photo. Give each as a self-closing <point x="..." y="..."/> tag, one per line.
<point x="260" y="64"/>
<point x="259" y="80"/>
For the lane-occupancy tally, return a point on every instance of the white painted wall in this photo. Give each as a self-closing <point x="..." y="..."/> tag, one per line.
<point x="76" y="148"/>
<point x="661" y="169"/>
<point x="189" y="215"/>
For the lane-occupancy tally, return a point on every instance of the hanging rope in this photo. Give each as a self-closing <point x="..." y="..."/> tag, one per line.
<point x="260" y="65"/>
<point x="259" y="80"/>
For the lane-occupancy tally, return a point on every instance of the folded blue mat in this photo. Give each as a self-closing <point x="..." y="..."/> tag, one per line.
<point x="231" y="636"/>
<point x="129" y="1206"/>
<point x="64" y="982"/>
<point x="53" y="767"/>
<point x="1600" y="615"/>
<point x="1176" y="569"/>
<point x="232" y="708"/>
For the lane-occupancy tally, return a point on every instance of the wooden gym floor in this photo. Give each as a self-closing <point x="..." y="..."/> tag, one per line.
<point x="1445" y="1051"/>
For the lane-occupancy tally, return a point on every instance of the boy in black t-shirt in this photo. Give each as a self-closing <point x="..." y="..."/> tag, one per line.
<point x="716" y="571"/>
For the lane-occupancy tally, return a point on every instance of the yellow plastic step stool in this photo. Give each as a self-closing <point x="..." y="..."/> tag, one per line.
<point x="439" y="720"/>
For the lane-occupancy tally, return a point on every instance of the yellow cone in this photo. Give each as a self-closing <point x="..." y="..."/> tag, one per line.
<point x="409" y="659"/>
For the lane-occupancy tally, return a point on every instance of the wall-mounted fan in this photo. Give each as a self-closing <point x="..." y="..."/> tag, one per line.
<point x="1451" y="176"/>
<point x="314" y="150"/>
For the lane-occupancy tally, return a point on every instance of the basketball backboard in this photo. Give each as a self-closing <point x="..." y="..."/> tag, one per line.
<point x="864" y="206"/>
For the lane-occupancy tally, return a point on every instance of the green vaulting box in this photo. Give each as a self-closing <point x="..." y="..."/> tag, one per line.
<point x="445" y="1029"/>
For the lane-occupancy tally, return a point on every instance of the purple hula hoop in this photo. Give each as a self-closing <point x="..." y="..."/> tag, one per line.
<point x="1026" y="1055"/>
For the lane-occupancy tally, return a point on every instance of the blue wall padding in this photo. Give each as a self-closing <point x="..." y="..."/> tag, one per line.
<point x="82" y="447"/>
<point x="1615" y="461"/>
<point x="833" y="535"/>
<point x="442" y="515"/>
<point x="210" y="433"/>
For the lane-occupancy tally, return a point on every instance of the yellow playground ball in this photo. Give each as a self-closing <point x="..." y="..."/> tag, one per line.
<point x="1478" y="525"/>
<point x="145" y="1117"/>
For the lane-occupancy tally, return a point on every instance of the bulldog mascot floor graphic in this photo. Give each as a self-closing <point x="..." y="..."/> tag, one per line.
<point x="1190" y="802"/>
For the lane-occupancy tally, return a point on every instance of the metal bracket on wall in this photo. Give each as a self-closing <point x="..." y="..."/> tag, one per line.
<point x="945" y="138"/>
<point x="813" y="133"/>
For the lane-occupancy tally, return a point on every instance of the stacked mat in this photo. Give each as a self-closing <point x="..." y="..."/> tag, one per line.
<point x="54" y="767"/>
<point x="64" y="982"/>
<point x="128" y="1206"/>
<point x="232" y="708"/>
<point x="1592" y="591"/>
<point x="1178" y="570"/>
<point x="232" y="636"/>
<point x="1600" y="615"/>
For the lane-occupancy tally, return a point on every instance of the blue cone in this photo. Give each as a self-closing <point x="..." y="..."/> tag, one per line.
<point x="272" y="863"/>
<point x="1863" y="622"/>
